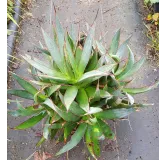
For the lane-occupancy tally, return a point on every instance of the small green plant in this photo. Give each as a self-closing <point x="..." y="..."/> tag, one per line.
<point x="153" y="31"/>
<point x="80" y="86"/>
<point x="151" y="1"/>
<point x="153" y="36"/>
<point x="10" y="11"/>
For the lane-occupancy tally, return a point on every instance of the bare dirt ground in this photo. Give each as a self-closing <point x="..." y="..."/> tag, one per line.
<point x="137" y="141"/>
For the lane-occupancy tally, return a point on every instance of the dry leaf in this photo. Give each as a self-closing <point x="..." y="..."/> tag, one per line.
<point x="30" y="15"/>
<point x="156" y="23"/>
<point x="149" y="17"/>
<point x="40" y="156"/>
<point x="155" y="16"/>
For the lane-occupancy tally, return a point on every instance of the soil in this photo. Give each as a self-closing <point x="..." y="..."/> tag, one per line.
<point x="137" y="140"/>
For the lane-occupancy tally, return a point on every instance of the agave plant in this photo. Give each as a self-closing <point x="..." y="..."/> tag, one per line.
<point x="80" y="86"/>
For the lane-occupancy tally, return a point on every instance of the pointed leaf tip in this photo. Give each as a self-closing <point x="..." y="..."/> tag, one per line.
<point x="75" y="139"/>
<point x="82" y="100"/>
<point x="69" y="96"/>
<point x="115" y="43"/>
<point x="140" y="90"/>
<point x="85" y="56"/>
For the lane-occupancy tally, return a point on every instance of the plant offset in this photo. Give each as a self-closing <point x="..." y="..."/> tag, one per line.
<point x="80" y="86"/>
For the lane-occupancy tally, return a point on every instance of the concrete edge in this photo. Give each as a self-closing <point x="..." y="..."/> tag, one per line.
<point x="12" y="26"/>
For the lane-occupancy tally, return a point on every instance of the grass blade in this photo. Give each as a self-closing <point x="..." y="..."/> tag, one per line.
<point x="12" y="19"/>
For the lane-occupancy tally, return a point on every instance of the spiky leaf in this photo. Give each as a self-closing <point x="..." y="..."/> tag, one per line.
<point x="68" y="129"/>
<point x="75" y="139"/>
<point x="86" y="51"/>
<point x="128" y="65"/>
<point x="52" y="89"/>
<point x="140" y="90"/>
<point x="54" y="51"/>
<point x="134" y="69"/>
<point x="89" y="142"/>
<point x="96" y="134"/>
<point x="46" y="129"/>
<point x="76" y="109"/>
<point x="60" y="35"/>
<point x="31" y="122"/>
<point x="82" y="100"/>
<point x="123" y="48"/>
<point x="28" y="111"/>
<point x="25" y="84"/>
<point x="115" y="43"/>
<point x="20" y="93"/>
<point x="106" y="129"/>
<point x="69" y="96"/>
<point x="68" y="116"/>
<point x="114" y="113"/>
<point x="42" y="67"/>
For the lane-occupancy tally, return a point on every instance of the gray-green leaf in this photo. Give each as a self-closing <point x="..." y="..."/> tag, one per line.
<point x="82" y="100"/>
<point x="114" y="43"/>
<point x="69" y="96"/>
<point x="114" y="113"/>
<point x="75" y="139"/>
<point x="86" y="51"/>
